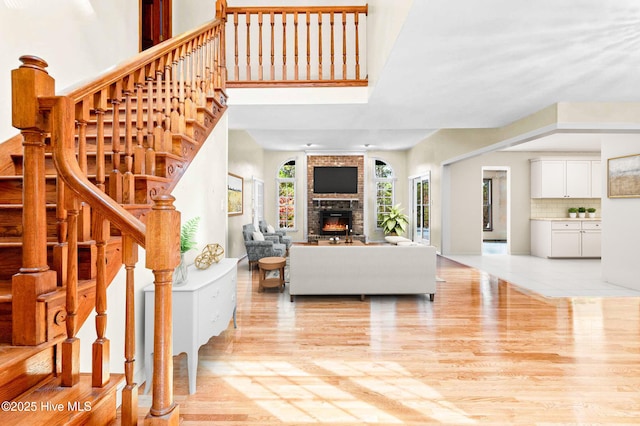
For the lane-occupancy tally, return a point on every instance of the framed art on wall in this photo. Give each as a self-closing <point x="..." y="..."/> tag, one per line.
<point x="623" y="176"/>
<point x="234" y="194"/>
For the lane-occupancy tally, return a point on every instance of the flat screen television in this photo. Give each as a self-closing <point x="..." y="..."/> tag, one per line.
<point x="335" y="180"/>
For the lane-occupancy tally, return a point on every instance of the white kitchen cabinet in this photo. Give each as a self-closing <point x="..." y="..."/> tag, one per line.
<point x="565" y="238"/>
<point x="561" y="178"/>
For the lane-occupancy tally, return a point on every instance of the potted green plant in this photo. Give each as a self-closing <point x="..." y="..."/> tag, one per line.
<point x="582" y="211"/>
<point x="394" y="222"/>
<point x="187" y="242"/>
<point x="592" y="212"/>
<point x="573" y="212"/>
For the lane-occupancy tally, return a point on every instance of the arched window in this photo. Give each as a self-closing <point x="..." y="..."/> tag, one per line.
<point x="286" y="184"/>
<point x="384" y="190"/>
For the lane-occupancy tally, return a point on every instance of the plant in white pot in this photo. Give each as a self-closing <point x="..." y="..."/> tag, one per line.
<point x="573" y="212"/>
<point x="592" y="212"/>
<point x="394" y="222"/>
<point x="582" y="211"/>
<point x="187" y="242"/>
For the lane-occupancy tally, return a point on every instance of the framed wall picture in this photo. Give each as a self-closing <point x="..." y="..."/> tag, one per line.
<point x="234" y="194"/>
<point x="623" y="176"/>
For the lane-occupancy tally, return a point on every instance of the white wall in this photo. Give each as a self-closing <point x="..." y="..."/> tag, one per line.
<point x="466" y="202"/>
<point x="190" y="14"/>
<point x="77" y="38"/>
<point x="620" y="224"/>
<point x="202" y="191"/>
<point x="246" y="159"/>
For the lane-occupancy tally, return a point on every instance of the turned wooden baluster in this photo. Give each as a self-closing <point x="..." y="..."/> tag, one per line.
<point x="236" y="68"/>
<point x="60" y="252"/>
<point x="177" y="123"/>
<point x="163" y="255"/>
<point x="83" y="115"/>
<point x="100" y="368"/>
<point x="308" y="45"/>
<point x="100" y="107"/>
<point x="150" y="153"/>
<point x="158" y="103"/>
<point x="355" y="18"/>
<point x="166" y="142"/>
<point x="273" y="48"/>
<point x="332" y="72"/>
<point x="29" y="82"/>
<point x="344" y="45"/>
<point x="139" y="151"/>
<point x="71" y="345"/>
<point x="247" y="17"/>
<point x="130" y="391"/>
<point x="115" y="177"/>
<point x="295" y="50"/>
<point x="181" y="95"/>
<point x="222" y="51"/>
<point x="128" y="187"/>
<point x="284" y="46"/>
<point x="319" y="45"/>
<point x="260" y="44"/>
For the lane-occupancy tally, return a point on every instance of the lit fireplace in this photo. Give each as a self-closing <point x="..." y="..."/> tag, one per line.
<point x="335" y="222"/>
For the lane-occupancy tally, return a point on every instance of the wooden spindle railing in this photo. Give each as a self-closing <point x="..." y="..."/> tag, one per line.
<point x="136" y="111"/>
<point x="247" y="27"/>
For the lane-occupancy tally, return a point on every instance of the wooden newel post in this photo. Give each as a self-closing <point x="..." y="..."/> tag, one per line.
<point x="28" y="83"/>
<point x="163" y="255"/>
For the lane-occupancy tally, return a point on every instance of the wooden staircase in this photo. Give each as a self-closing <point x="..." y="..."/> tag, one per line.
<point x="85" y="183"/>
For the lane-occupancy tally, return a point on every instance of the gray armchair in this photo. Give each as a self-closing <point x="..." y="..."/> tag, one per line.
<point x="256" y="250"/>
<point x="282" y="235"/>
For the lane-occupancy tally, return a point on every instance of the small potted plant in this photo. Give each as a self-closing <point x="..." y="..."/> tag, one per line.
<point x="394" y="222"/>
<point x="573" y="212"/>
<point x="592" y="212"/>
<point x="187" y="242"/>
<point x="582" y="212"/>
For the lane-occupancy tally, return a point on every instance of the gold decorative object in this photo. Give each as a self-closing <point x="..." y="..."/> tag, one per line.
<point x="210" y="254"/>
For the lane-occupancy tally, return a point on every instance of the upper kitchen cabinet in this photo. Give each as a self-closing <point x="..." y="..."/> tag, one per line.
<point x="565" y="178"/>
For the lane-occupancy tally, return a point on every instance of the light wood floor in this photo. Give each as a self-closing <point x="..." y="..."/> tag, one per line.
<point x="484" y="352"/>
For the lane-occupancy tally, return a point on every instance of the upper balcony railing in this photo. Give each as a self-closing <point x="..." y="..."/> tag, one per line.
<point x="296" y="46"/>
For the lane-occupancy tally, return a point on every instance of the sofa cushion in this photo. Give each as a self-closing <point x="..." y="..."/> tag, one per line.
<point x="395" y="239"/>
<point x="270" y="229"/>
<point x="257" y="236"/>
<point x="407" y="243"/>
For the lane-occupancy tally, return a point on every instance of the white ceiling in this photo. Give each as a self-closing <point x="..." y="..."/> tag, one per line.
<point x="473" y="64"/>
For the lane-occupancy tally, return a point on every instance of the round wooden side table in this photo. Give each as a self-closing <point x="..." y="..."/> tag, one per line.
<point x="271" y="264"/>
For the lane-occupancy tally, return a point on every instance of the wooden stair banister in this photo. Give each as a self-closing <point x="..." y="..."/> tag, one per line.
<point x="149" y="114"/>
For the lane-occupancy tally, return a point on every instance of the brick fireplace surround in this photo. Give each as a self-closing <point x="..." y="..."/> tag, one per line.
<point x="337" y="202"/>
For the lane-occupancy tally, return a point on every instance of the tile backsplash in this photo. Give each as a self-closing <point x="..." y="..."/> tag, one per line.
<point x="557" y="207"/>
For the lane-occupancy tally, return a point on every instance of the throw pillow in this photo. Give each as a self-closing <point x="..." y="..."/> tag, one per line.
<point x="271" y="229"/>
<point x="257" y="236"/>
<point x="395" y="239"/>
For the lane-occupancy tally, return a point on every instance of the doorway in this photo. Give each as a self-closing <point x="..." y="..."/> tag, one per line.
<point x="155" y="22"/>
<point x="495" y="210"/>
<point x="421" y="206"/>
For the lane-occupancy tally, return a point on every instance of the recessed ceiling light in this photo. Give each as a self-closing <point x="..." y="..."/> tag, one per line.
<point x="309" y="144"/>
<point x="367" y="145"/>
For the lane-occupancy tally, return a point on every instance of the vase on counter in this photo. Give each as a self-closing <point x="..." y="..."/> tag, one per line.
<point x="592" y="215"/>
<point x="180" y="273"/>
<point x="573" y="215"/>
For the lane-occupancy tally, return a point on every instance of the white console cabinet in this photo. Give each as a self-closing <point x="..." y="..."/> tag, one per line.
<point x="202" y="308"/>
<point x="565" y="178"/>
<point x="566" y="238"/>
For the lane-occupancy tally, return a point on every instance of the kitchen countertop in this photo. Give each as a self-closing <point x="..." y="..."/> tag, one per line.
<point x="580" y="219"/>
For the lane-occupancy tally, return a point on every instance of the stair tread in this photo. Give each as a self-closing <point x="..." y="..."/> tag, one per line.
<point x="13" y="355"/>
<point x="47" y="397"/>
